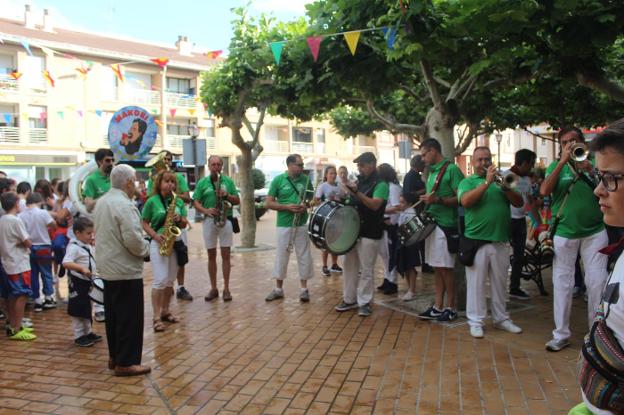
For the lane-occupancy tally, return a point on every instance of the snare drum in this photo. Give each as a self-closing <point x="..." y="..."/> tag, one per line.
<point x="416" y="229"/>
<point x="96" y="292"/>
<point x="334" y="227"/>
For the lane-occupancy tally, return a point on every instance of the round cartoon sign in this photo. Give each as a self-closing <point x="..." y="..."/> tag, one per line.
<point x="132" y="133"/>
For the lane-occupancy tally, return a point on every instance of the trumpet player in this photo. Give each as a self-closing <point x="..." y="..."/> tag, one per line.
<point x="209" y="191"/>
<point x="524" y="162"/>
<point x="160" y="208"/>
<point x="578" y="227"/>
<point x="288" y="194"/>
<point x="487" y="232"/>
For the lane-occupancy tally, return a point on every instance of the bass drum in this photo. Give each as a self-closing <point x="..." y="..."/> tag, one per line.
<point x="96" y="292"/>
<point x="334" y="227"/>
<point x="416" y="229"/>
<point x="75" y="186"/>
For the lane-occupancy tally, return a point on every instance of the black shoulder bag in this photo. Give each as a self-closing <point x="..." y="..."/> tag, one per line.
<point x="468" y="248"/>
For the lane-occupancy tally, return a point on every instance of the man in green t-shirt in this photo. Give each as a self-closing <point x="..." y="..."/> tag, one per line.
<point x="288" y="195"/>
<point x="96" y="185"/>
<point x="488" y="218"/>
<point x="182" y="191"/>
<point x="207" y="191"/>
<point x="370" y="195"/>
<point x="580" y="229"/>
<point x="442" y="206"/>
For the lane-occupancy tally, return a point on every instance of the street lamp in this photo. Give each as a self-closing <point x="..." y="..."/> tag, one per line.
<point x="499" y="138"/>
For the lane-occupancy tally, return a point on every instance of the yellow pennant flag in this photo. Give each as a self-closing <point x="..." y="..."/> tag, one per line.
<point x="352" y="40"/>
<point x="191" y="111"/>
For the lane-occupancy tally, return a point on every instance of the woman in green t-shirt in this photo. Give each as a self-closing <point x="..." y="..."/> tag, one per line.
<point x="164" y="268"/>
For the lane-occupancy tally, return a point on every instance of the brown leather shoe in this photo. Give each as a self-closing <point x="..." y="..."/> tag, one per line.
<point x="111" y="364"/>
<point x="227" y="296"/>
<point x="214" y="293"/>
<point x="134" y="370"/>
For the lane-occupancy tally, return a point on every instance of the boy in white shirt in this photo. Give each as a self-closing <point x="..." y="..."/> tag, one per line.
<point x="79" y="261"/>
<point x="37" y="222"/>
<point x="14" y="251"/>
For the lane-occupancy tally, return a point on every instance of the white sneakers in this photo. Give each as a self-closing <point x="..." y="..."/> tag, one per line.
<point x="409" y="296"/>
<point x="507" y="325"/>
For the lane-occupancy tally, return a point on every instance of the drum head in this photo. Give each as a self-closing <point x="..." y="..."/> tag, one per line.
<point x="342" y="230"/>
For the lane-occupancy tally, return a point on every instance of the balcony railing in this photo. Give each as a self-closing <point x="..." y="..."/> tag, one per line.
<point x="302" y="147"/>
<point x="9" y="135"/>
<point x="139" y="96"/>
<point x="275" y="146"/>
<point x="175" y="99"/>
<point x="7" y="83"/>
<point x="176" y="140"/>
<point x="38" y="136"/>
<point x="211" y="143"/>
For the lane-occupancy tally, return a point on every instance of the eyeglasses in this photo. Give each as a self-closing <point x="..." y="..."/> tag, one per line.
<point x="298" y="164"/>
<point x="609" y="180"/>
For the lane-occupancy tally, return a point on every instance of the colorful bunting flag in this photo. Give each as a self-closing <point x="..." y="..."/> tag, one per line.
<point x="98" y="113"/>
<point x="162" y="62"/>
<point x="8" y="118"/>
<point x="26" y="46"/>
<point x="390" y="34"/>
<point x="61" y="114"/>
<point x="191" y="111"/>
<point x="158" y="123"/>
<point x="197" y="99"/>
<point x="314" y="43"/>
<point x="276" y="48"/>
<point x="83" y="71"/>
<point x="205" y="106"/>
<point x="48" y="77"/>
<point x="172" y="111"/>
<point x="352" y="39"/>
<point x="43" y="116"/>
<point x="80" y="113"/>
<point x="15" y="75"/>
<point x="214" y="54"/>
<point x="154" y="111"/>
<point x="118" y="71"/>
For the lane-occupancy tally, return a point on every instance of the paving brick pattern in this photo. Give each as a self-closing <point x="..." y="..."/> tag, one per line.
<point x="284" y="357"/>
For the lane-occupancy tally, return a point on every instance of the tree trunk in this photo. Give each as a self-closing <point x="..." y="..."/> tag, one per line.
<point x="248" y="205"/>
<point x="440" y="125"/>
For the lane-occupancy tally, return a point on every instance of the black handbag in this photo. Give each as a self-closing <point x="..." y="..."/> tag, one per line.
<point x="468" y="249"/>
<point x="181" y="251"/>
<point x="235" y="225"/>
<point x="452" y="238"/>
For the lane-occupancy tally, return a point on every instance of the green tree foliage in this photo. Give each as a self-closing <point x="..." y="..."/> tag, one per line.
<point x="259" y="179"/>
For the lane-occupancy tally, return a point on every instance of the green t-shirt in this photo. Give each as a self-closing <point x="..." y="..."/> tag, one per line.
<point x="581" y="216"/>
<point x="180" y="188"/>
<point x="96" y="184"/>
<point x="490" y="218"/>
<point x="284" y="193"/>
<point x="444" y="215"/>
<point x="205" y="191"/>
<point x="154" y="212"/>
<point x="382" y="190"/>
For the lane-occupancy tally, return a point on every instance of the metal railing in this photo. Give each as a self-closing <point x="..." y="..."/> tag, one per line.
<point x="7" y="83"/>
<point x="175" y="99"/>
<point x="175" y="141"/>
<point x="38" y="135"/>
<point x="302" y="147"/>
<point x="139" y="96"/>
<point x="275" y="146"/>
<point x="9" y="135"/>
<point x="211" y="143"/>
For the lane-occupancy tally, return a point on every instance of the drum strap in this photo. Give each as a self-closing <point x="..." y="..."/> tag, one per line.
<point x="439" y="177"/>
<point x="90" y="258"/>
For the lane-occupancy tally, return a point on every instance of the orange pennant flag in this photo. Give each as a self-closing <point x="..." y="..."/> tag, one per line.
<point x="162" y="62"/>
<point x="214" y="54"/>
<point x="15" y="75"/>
<point x="48" y="77"/>
<point x="191" y="111"/>
<point x="158" y="123"/>
<point x="83" y="71"/>
<point x="118" y="71"/>
<point x="352" y="40"/>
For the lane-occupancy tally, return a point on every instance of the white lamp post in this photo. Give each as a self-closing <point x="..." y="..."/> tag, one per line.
<point x="499" y="138"/>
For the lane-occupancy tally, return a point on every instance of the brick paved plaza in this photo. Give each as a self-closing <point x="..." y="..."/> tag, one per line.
<point x="285" y="357"/>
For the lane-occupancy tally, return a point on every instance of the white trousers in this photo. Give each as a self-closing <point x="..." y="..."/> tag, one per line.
<point x="359" y="265"/>
<point x="384" y="254"/>
<point x="81" y="326"/>
<point x="164" y="268"/>
<point x="301" y="244"/>
<point x="491" y="261"/>
<point x="595" y="267"/>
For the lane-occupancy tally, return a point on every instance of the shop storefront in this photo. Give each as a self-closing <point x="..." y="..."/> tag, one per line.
<point x="30" y="167"/>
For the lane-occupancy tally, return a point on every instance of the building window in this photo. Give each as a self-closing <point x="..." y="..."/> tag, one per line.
<point x="178" y="129"/>
<point x="37" y="117"/>
<point x="138" y="80"/>
<point x="6" y="64"/>
<point x="210" y="128"/>
<point x="320" y="135"/>
<point x="275" y="132"/>
<point x="302" y="134"/>
<point x="179" y="85"/>
<point x="8" y="116"/>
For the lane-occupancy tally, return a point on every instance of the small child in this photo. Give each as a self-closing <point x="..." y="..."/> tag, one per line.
<point x="79" y="262"/>
<point x="15" y="252"/>
<point x="409" y="256"/>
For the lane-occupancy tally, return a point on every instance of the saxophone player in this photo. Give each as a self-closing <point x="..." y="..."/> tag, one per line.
<point x="211" y="192"/>
<point x="162" y="211"/>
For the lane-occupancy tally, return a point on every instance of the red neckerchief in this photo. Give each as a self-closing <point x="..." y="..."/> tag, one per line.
<point x="613" y="248"/>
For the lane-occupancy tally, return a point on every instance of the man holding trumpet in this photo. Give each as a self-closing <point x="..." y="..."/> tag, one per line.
<point x="289" y="194"/>
<point x="577" y="227"/>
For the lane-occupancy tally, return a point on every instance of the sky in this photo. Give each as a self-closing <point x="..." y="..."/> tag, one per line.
<point x="205" y="22"/>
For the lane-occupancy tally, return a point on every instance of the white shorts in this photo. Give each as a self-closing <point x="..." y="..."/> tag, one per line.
<point x="436" y="250"/>
<point x="164" y="268"/>
<point x="212" y="234"/>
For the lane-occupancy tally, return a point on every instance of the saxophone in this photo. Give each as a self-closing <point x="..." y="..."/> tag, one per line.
<point x="171" y="231"/>
<point x="221" y="205"/>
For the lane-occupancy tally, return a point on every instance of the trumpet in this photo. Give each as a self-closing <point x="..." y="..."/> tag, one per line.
<point x="508" y="180"/>
<point x="579" y="152"/>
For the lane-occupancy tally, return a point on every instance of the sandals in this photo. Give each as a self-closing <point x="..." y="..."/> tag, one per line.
<point x="158" y="326"/>
<point x="169" y="318"/>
